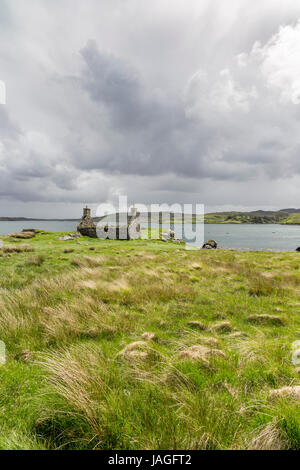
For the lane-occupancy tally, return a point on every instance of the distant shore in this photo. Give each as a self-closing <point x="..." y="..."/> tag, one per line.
<point x="259" y="217"/>
<point x="165" y="220"/>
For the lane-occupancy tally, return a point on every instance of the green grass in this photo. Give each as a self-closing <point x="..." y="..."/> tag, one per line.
<point x="81" y="374"/>
<point x="257" y="217"/>
<point x="293" y="219"/>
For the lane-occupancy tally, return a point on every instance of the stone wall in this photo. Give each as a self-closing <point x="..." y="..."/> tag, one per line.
<point x="86" y="226"/>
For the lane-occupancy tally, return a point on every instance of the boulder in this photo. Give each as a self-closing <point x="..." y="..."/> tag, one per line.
<point x="66" y="238"/>
<point x="32" y="230"/>
<point x="170" y="235"/>
<point x="22" y="235"/>
<point x="75" y="235"/>
<point x="210" y="245"/>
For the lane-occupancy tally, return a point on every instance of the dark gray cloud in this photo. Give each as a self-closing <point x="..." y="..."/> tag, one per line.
<point x="164" y="101"/>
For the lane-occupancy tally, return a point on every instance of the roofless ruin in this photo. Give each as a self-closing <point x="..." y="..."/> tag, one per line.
<point x="130" y="230"/>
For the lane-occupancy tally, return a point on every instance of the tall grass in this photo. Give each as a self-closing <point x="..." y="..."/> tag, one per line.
<point x="128" y="350"/>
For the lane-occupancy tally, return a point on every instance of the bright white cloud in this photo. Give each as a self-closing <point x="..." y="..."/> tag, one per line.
<point x="280" y="62"/>
<point x="215" y="97"/>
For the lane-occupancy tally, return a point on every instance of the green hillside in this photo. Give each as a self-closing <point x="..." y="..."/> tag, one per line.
<point x="285" y="216"/>
<point x="256" y="217"/>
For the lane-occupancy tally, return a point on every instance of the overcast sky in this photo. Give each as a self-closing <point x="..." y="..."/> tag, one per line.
<point x="166" y="101"/>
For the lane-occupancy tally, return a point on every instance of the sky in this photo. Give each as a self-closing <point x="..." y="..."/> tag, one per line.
<point x="168" y="101"/>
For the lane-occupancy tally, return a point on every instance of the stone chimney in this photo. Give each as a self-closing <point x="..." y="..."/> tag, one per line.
<point x="86" y="226"/>
<point x="86" y="212"/>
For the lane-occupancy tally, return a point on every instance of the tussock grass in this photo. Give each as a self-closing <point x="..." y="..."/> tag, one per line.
<point x="266" y="319"/>
<point x="87" y="261"/>
<point x="17" y="248"/>
<point x="269" y="437"/>
<point x="23" y="235"/>
<point x="126" y="350"/>
<point x="35" y="260"/>
<point x="68" y="250"/>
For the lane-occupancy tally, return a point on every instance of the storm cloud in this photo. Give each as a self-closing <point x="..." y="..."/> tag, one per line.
<point x="171" y="101"/>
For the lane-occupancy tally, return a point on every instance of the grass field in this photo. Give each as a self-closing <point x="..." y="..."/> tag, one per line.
<point x="144" y="345"/>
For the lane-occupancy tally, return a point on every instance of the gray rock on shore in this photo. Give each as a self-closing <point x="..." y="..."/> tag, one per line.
<point x="210" y="245"/>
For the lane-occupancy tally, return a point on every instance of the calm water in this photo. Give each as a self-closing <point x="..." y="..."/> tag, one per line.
<point x="252" y="237"/>
<point x="50" y="226"/>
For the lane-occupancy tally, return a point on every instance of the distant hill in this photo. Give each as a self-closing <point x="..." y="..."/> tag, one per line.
<point x="291" y="211"/>
<point x="284" y="217"/>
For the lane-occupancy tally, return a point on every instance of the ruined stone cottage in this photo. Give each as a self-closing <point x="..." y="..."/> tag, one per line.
<point x="130" y="229"/>
<point x="86" y="226"/>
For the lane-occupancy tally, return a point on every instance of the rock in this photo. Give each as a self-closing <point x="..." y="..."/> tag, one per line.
<point x="197" y="266"/>
<point x="23" y="235"/>
<point x="32" y="230"/>
<point x="66" y="238"/>
<point x="210" y="245"/>
<point x="170" y="235"/>
<point x="288" y="392"/>
<point x="75" y="235"/>
<point x="223" y="327"/>
<point x="213" y="244"/>
<point x="266" y="320"/>
<point x="197" y="324"/>
<point x="207" y="247"/>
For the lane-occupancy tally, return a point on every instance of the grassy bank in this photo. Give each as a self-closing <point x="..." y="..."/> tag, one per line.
<point x="144" y="345"/>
